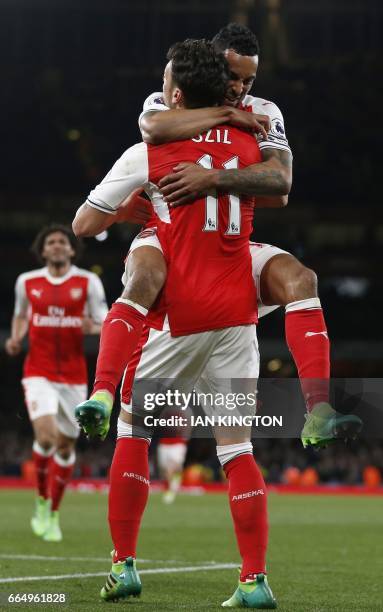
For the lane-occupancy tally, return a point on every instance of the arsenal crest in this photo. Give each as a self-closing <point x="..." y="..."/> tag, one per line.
<point x="76" y="293"/>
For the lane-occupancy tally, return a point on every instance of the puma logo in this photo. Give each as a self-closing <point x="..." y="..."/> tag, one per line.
<point x="323" y="333"/>
<point x="130" y="328"/>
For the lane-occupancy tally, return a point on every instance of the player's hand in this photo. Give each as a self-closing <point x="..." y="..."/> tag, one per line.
<point x="13" y="347"/>
<point x="187" y="183"/>
<point x="87" y="325"/>
<point x="134" y="209"/>
<point x="259" y="124"/>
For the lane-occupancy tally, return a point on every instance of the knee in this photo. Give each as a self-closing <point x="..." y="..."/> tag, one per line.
<point x="65" y="450"/>
<point x="46" y="439"/>
<point x="302" y="284"/>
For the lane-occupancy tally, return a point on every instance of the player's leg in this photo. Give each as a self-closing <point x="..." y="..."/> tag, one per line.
<point x="161" y="357"/>
<point x="128" y="495"/>
<point x="285" y="281"/>
<point x="63" y="460"/>
<point x="144" y="278"/>
<point x="171" y="455"/>
<point x="62" y="467"/>
<point x="42" y="404"/>
<point x="235" y="363"/>
<point x="145" y="275"/>
<point x="248" y="505"/>
<point x="281" y="279"/>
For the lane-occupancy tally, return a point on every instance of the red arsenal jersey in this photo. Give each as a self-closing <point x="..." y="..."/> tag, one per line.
<point x="56" y="307"/>
<point x="209" y="282"/>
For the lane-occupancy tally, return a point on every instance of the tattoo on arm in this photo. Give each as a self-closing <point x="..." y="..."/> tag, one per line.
<point x="270" y="177"/>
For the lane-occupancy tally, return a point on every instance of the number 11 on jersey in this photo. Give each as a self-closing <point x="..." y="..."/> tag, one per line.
<point x="211" y="218"/>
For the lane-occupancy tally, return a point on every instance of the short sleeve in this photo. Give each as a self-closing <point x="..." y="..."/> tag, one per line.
<point x="21" y="299"/>
<point x="97" y="308"/>
<point x="128" y="173"/>
<point x="277" y="138"/>
<point x="153" y="103"/>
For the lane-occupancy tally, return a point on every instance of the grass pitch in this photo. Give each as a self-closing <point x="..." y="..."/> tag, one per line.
<point x="325" y="553"/>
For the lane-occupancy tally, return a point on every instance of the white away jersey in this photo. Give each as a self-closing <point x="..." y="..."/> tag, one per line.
<point x="277" y="138"/>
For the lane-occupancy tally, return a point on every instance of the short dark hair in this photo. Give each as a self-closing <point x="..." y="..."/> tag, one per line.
<point x="199" y="71"/>
<point x="237" y="37"/>
<point x="38" y="243"/>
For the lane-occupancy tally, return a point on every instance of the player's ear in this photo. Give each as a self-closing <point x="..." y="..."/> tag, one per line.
<point x="177" y="96"/>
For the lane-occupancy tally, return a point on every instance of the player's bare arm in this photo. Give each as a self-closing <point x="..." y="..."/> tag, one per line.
<point x="180" y="124"/>
<point x="90" y="222"/>
<point x="19" y="329"/>
<point x="271" y="177"/>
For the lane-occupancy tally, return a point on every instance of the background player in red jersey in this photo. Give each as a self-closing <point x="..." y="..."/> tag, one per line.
<point x="56" y="305"/>
<point x="210" y="301"/>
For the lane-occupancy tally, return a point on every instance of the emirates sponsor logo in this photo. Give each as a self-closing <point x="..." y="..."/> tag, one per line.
<point x="55" y="321"/>
<point x="76" y="293"/>
<point x="247" y="495"/>
<point x="136" y="477"/>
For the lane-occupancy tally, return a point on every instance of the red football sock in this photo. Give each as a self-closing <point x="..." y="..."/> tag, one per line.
<point x="61" y="472"/>
<point x="248" y="505"/>
<point x="128" y="494"/>
<point x="307" y="339"/>
<point x="120" y="334"/>
<point x="42" y="463"/>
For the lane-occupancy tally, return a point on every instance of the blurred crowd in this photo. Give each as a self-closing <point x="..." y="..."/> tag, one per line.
<point x="282" y="460"/>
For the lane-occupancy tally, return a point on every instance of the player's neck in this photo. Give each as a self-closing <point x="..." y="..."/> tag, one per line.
<point x="59" y="269"/>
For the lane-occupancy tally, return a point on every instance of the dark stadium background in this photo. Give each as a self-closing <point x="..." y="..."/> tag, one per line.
<point x="74" y="77"/>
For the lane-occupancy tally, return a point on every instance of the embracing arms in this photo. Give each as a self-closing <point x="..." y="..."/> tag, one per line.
<point x="270" y="181"/>
<point x="179" y="124"/>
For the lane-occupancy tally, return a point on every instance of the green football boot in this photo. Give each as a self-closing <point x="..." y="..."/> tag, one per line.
<point x="94" y="414"/>
<point x="53" y="532"/>
<point x="122" y="582"/>
<point x="324" y="425"/>
<point x="255" y="594"/>
<point x="40" y="519"/>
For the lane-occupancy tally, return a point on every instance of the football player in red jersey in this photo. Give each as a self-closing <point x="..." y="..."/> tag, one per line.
<point x="210" y="302"/>
<point x="55" y="305"/>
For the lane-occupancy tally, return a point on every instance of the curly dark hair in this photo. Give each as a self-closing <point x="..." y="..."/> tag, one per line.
<point x="237" y="37"/>
<point x="38" y="243"/>
<point x="199" y="71"/>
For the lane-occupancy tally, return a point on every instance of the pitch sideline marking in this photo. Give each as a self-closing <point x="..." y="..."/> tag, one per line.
<point x="159" y="570"/>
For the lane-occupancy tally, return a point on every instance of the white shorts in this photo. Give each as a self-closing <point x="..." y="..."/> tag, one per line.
<point x="171" y="456"/>
<point x="221" y="362"/>
<point x="260" y="255"/>
<point x="44" y="397"/>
